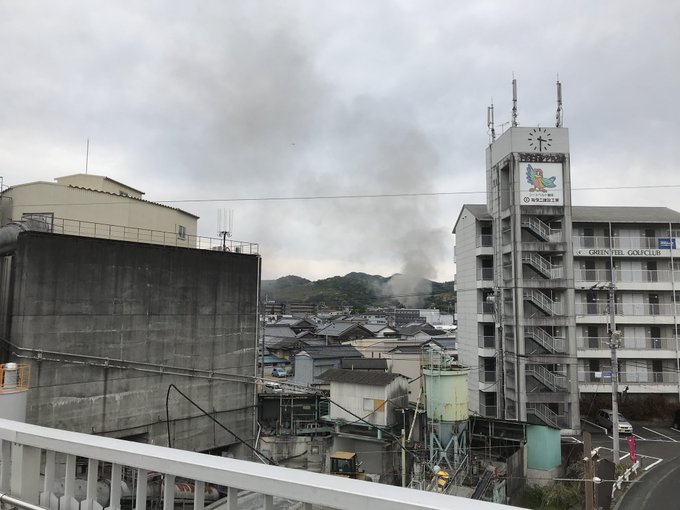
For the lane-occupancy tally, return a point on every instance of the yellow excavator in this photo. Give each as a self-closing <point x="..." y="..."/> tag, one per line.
<point x="346" y="464"/>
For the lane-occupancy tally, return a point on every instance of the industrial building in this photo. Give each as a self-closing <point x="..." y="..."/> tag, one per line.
<point x="111" y="330"/>
<point x="98" y="206"/>
<point x="533" y="275"/>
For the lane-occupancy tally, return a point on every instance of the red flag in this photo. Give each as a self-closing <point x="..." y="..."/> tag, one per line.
<point x="631" y="447"/>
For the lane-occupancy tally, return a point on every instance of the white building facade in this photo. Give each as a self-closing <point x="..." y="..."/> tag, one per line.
<point x="532" y="279"/>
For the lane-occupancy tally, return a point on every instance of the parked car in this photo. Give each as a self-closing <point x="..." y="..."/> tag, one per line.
<point x="273" y="386"/>
<point x="604" y="418"/>
<point x="279" y="372"/>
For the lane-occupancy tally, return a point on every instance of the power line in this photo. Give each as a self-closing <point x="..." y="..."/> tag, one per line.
<point x="345" y="196"/>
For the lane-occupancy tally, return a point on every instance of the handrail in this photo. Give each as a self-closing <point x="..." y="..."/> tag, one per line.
<point x="272" y="481"/>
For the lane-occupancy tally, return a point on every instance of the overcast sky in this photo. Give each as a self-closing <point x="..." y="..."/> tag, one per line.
<point x="217" y="100"/>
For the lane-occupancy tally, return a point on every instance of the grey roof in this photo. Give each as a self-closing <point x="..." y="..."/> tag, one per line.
<point x="597" y="214"/>
<point x="339" y="328"/>
<point x="331" y="351"/>
<point x="445" y="343"/>
<point x="376" y="328"/>
<point x="279" y="331"/>
<point x="366" y="377"/>
<point x="624" y="214"/>
<point x="413" y="329"/>
<point x="364" y="364"/>
<point x="407" y="349"/>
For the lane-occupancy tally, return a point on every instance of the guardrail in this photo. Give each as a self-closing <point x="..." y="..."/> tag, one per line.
<point x="27" y="450"/>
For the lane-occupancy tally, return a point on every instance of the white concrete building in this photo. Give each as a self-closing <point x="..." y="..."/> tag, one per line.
<point x="532" y="274"/>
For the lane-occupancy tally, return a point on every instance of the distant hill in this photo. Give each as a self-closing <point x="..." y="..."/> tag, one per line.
<point x="359" y="290"/>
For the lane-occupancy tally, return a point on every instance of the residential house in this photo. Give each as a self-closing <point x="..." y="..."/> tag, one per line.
<point x="311" y="362"/>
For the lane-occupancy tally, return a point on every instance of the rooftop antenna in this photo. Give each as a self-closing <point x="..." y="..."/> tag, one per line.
<point x="514" y="101"/>
<point x="87" y="155"/>
<point x="558" y="115"/>
<point x="490" y="122"/>
<point x="225" y="223"/>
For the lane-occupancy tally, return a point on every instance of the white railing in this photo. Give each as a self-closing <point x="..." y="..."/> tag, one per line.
<point x="555" y="382"/>
<point x="551" y="343"/>
<point x="627" y="276"/>
<point x="544" y="302"/>
<point x="144" y="235"/>
<point x="542" y="229"/>
<point x="543" y="412"/>
<point x="22" y="461"/>
<point x="543" y="265"/>
<point x="647" y="343"/>
<point x="649" y="377"/>
<point x="624" y="243"/>
<point x="485" y="273"/>
<point x="634" y="309"/>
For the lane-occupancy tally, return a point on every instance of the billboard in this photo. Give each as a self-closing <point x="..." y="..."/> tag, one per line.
<point x="541" y="183"/>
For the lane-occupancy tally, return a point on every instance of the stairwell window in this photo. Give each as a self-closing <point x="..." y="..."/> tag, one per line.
<point x="181" y="232"/>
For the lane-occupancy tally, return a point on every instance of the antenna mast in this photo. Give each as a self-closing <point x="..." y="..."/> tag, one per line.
<point x="558" y="115"/>
<point x="514" y="102"/>
<point x="490" y="122"/>
<point x="225" y="221"/>
<point x="87" y="154"/>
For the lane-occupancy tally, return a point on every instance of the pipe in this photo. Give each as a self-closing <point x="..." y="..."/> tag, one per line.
<point x="9" y="234"/>
<point x="6" y="499"/>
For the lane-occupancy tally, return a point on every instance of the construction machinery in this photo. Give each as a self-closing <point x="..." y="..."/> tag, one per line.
<point x="346" y="464"/>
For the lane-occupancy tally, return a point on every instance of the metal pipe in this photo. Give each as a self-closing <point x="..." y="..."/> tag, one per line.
<point x="9" y="500"/>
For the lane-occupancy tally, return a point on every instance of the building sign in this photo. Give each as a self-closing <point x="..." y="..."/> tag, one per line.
<point x="541" y="183"/>
<point x="633" y="252"/>
<point x="666" y="243"/>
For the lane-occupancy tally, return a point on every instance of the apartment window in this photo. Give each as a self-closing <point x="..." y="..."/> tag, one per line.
<point x="591" y="276"/>
<point x="181" y="231"/>
<point x="655" y="335"/>
<point x="652" y="272"/>
<point x="657" y="370"/>
<point x="650" y="241"/>
<point x="653" y="304"/>
<point x="594" y="368"/>
<point x="588" y="237"/>
<point x="593" y="340"/>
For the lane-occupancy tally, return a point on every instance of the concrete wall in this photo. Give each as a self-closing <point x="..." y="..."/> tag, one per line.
<point x="73" y="297"/>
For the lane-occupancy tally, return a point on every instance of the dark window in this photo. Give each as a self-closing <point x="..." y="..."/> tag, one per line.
<point x="655" y="335"/>
<point x="591" y="275"/>
<point x="654" y="304"/>
<point x="593" y="340"/>
<point x="588" y="237"/>
<point x="652" y="273"/>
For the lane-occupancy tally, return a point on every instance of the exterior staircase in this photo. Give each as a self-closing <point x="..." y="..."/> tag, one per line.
<point x="543" y="265"/>
<point x="542" y="229"/>
<point x="543" y="302"/>
<point x="549" y="379"/>
<point x="544" y="339"/>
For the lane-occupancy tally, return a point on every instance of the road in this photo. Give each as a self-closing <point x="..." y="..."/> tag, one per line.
<point x="658" y="449"/>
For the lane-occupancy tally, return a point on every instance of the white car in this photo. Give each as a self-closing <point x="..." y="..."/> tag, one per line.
<point x="604" y="418"/>
<point x="273" y="386"/>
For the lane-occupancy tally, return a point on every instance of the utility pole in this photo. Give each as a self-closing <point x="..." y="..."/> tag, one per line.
<point x="588" y="478"/>
<point x="614" y="340"/>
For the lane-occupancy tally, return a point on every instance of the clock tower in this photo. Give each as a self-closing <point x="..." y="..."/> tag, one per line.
<point x="529" y="200"/>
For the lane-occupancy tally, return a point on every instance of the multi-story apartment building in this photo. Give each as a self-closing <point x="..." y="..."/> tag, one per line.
<point x="533" y="276"/>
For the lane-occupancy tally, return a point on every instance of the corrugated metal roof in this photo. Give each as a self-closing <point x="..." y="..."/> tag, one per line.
<point x="624" y="214"/>
<point x="365" y="377"/>
<point x="364" y="364"/>
<point x="331" y="351"/>
<point x="596" y="214"/>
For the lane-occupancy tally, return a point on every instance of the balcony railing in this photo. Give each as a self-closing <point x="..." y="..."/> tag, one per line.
<point x="485" y="273"/>
<point x="648" y="377"/>
<point x="487" y="376"/>
<point x="487" y="342"/>
<point x="486" y="308"/>
<point x="602" y="342"/>
<point x="485" y="240"/>
<point x="625" y="243"/>
<point x="634" y="309"/>
<point x="22" y="462"/>
<point x="144" y="235"/>
<point x="627" y="276"/>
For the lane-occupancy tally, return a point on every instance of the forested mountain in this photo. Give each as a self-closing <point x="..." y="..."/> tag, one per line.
<point x="359" y="290"/>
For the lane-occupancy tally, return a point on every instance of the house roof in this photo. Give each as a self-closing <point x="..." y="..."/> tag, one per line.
<point x="364" y="364"/>
<point x="339" y="328"/>
<point x="331" y="351"/>
<point x="364" y="377"/>
<point x="414" y="329"/>
<point x="377" y="328"/>
<point x="445" y="343"/>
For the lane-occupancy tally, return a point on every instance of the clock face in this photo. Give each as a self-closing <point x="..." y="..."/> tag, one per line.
<point x="540" y="139"/>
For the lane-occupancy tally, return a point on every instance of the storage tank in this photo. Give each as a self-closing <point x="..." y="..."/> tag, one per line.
<point x="13" y="391"/>
<point x="446" y="393"/>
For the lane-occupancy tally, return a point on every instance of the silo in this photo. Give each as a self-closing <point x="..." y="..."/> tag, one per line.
<point x="446" y="401"/>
